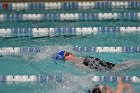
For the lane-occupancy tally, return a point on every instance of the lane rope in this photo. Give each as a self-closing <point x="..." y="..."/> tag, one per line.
<point x="26" y="50"/>
<point x="69" y="5"/>
<point x="67" y="31"/>
<point x="45" y="78"/>
<point x="135" y="16"/>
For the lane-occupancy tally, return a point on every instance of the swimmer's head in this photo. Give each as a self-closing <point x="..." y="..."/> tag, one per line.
<point x="63" y="55"/>
<point x="59" y="56"/>
<point x="99" y="89"/>
<point x="95" y="90"/>
<point x="70" y="56"/>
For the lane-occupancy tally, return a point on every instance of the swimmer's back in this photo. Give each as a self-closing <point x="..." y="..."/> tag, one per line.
<point x="97" y="64"/>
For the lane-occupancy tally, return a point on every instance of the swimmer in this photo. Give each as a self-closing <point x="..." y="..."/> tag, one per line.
<point x="121" y="86"/>
<point x="92" y="62"/>
<point x="101" y="88"/>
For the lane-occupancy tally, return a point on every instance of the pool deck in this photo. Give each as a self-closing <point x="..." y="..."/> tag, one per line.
<point x="58" y="0"/>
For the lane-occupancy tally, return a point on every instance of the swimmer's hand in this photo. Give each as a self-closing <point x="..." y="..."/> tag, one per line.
<point x="122" y="86"/>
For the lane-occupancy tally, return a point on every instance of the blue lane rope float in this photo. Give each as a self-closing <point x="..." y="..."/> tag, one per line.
<point x="71" y="16"/>
<point x="60" y="79"/>
<point x="24" y="50"/>
<point x="69" y="5"/>
<point x="31" y="78"/>
<point x="67" y="31"/>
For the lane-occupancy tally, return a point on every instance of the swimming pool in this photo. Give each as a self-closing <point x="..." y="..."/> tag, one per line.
<point x="75" y="80"/>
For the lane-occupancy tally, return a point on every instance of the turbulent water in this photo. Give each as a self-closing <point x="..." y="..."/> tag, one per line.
<point x="49" y="51"/>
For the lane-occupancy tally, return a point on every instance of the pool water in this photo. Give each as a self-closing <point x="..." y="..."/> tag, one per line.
<point x="76" y="79"/>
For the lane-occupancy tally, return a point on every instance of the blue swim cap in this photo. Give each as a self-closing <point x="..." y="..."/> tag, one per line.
<point x="59" y="55"/>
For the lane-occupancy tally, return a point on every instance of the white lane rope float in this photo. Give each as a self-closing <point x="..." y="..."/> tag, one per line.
<point x="60" y="79"/>
<point x="134" y="16"/>
<point x="25" y="50"/>
<point x="64" y="31"/>
<point x="69" y="5"/>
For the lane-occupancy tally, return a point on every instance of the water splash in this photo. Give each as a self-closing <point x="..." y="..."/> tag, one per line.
<point x="74" y="84"/>
<point x="128" y="65"/>
<point x="49" y="51"/>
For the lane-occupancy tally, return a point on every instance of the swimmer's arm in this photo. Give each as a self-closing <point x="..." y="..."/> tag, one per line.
<point x="121" y="86"/>
<point x="119" y="89"/>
